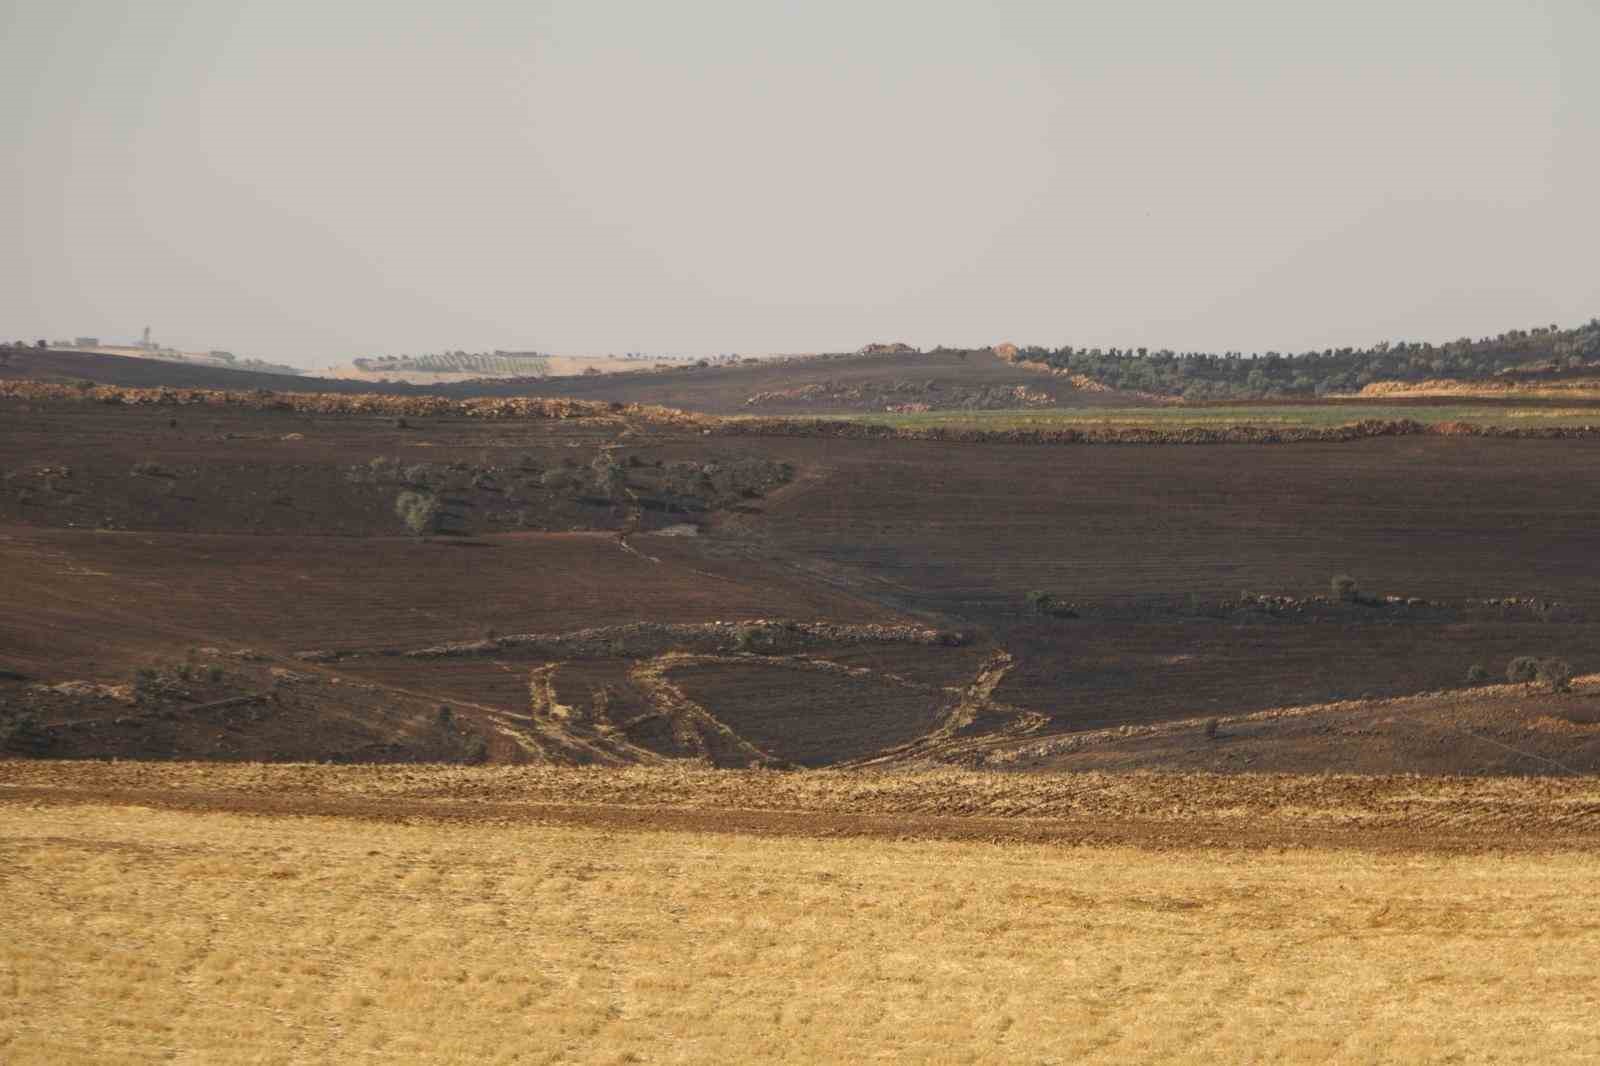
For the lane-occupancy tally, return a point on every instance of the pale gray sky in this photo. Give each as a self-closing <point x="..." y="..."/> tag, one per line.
<point x="314" y="180"/>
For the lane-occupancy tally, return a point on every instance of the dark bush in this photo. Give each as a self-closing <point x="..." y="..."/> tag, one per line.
<point x="1045" y="604"/>
<point x="1477" y="675"/>
<point x="1556" y="673"/>
<point x="1522" y="669"/>
<point x="1345" y="589"/>
<point x="609" y="476"/>
<point x="154" y="683"/>
<point x="19" y="731"/>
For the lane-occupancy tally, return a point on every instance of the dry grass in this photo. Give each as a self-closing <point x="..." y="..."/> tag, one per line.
<point x="135" y="935"/>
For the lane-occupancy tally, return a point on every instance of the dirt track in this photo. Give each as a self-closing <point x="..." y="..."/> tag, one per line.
<point x="1404" y="813"/>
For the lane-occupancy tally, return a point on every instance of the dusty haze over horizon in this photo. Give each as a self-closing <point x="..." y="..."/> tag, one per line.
<point x="309" y="182"/>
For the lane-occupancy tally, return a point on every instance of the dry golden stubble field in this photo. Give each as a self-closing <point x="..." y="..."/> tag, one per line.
<point x="208" y="914"/>
<point x="138" y="935"/>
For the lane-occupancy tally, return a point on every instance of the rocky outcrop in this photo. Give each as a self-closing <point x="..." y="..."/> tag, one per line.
<point x="369" y="404"/>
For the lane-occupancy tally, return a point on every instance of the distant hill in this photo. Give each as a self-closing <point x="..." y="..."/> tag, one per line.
<point x="55" y="364"/>
<point x="896" y="378"/>
<point x="908" y="380"/>
<point x="943" y="379"/>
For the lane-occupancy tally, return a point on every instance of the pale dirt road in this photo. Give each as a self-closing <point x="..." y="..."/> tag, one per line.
<point x="1436" y="815"/>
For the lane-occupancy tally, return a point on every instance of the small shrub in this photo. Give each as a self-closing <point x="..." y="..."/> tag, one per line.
<point x="379" y="470"/>
<point x="1556" y="674"/>
<point x="1212" y="724"/>
<point x="1045" y="604"/>
<point x="1522" y="669"/>
<point x="419" y="511"/>
<point x="609" y="476"/>
<point x="20" y="732"/>
<point x="149" y="469"/>
<point x="446" y="715"/>
<point x="151" y="683"/>
<point x="1344" y="588"/>
<point x="1477" y="674"/>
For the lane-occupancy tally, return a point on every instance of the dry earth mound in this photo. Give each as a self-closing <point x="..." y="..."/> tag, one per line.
<point x="367" y="404"/>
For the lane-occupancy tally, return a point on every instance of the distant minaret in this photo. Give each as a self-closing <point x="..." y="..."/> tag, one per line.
<point x="145" y="344"/>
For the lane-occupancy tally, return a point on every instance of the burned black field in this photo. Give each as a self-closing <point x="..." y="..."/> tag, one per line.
<point x="983" y="596"/>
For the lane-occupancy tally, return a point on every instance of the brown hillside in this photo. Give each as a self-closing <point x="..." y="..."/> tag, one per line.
<point x="838" y="384"/>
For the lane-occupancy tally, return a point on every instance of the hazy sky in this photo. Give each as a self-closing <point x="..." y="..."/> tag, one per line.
<point x="315" y="180"/>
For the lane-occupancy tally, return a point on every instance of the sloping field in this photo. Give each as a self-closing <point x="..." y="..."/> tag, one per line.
<point x="1134" y="536"/>
<point x="218" y="916"/>
<point x="99" y="607"/>
<point x="976" y="526"/>
<point x="114" y="597"/>
<point x="1494" y="729"/>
